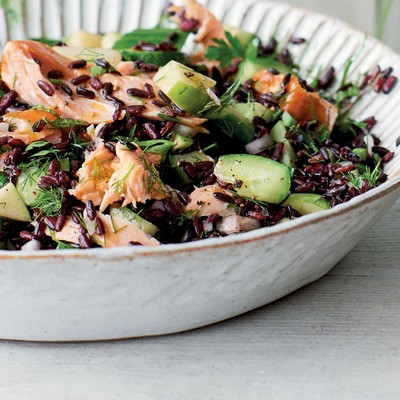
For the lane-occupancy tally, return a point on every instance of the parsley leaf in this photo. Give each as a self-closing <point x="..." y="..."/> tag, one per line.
<point x="226" y="52"/>
<point x="64" y="122"/>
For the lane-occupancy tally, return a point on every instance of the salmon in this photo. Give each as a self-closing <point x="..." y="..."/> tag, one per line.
<point x="209" y="26"/>
<point x="21" y="126"/>
<point x="25" y="63"/>
<point x="134" y="180"/>
<point x="203" y="203"/>
<point x="94" y="175"/>
<point x="118" y="232"/>
<point x="128" y="175"/>
<point x="302" y="105"/>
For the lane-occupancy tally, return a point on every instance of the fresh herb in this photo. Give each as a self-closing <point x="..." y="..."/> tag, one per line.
<point x="226" y="52"/>
<point x="56" y="82"/>
<point x="41" y="107"/>
<point x="225" y="100"/>
<point x="96" y="70"/>
<point x="166" y="117"/>
<point x="100" y="170"/>
<point x="138" y="99"/>
<point x="64" y="122"/>
<point x="49" y="202"/>
<point x="158" y="146"/>
<point x="119" y="184"/>
<point x="3" y="179"/>
<point x="371" y="176"/>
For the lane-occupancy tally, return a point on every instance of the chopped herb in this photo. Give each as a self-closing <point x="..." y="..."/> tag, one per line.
<point x="64" y="122"/>
<point x="49" y="202"/>
<point x="226" y="52"/>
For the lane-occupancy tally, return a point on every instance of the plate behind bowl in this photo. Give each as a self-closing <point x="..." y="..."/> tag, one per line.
<point x="103" y="294"/>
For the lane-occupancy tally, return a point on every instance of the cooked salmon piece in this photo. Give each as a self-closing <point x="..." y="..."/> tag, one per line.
<point x="25" y="63"/>
<point x="118" y="232"/>
<point x="20" y="71"/>
<point x="303" y="106"/>
<point x="21" y="126"/>
<point x="135" y="179"/>
<point x="203" y="203"/>
<point x="94" y="175"/>
<point x="209" y="26"/>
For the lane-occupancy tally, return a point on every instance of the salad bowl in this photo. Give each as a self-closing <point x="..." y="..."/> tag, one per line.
<point x="102" y="294"/>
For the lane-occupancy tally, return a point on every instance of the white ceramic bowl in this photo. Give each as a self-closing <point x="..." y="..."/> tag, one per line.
<point x="127" y="292"/>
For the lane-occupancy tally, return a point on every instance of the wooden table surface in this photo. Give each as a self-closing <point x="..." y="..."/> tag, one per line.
<point x="338" y="338"/>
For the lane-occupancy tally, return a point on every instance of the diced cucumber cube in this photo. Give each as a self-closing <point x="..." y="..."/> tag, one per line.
<point x="184" y="86"/>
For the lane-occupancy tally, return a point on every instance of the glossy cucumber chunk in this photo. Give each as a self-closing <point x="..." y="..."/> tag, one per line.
<point x="255" y="177"/>
<point x="11" y="204"/>
<point x="232" y="123"/>
<point x="278" y="134"/>
<point x="307" y="203"/>
<point x="178" y="163"/>
<point x="27" y="185"/>
<point x="250" y="66"/>
<point x="184" y="86"/>
<point x="141" y="223"/>
<point x="254" y="109"/>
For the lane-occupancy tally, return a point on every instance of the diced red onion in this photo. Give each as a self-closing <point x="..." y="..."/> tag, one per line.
<point x="236" y="224"/>
<point x="258" y="145"/>
<point x="32" y="245"/>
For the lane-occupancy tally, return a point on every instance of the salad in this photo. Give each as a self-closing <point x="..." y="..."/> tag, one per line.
<point x="183" y="132"/>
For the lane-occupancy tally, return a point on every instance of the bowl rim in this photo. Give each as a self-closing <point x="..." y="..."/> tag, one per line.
<point x="129" y="253"/>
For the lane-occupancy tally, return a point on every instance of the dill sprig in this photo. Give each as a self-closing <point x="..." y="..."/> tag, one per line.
<point x="49" y="202"/>
<point x="226" y="99"/>
<point x="119" y="184"/>
<point x="370" y="176"/>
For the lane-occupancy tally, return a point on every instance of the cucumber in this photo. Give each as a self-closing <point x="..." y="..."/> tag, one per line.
<point x="232" y="123"/>
<point x="158" y="146"/>
<point x="288" y="120"/>
<point x="182" y="142"/>
<point x="192" y="157"/>
<point x="250" y="66"/>
<point x="307" y="203"/>
<point x="131" y="216"/>
<point x="12" y="206"/>
<point x="255" y="177"/>
<point x="27" y="185"/>
<point x="159" y="58"/>
<point x="278" y="134"/>
<point x="254" y="109"/>
<point x="184" y="86"/>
